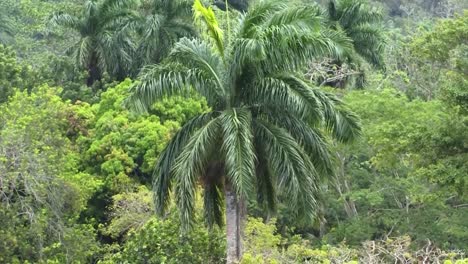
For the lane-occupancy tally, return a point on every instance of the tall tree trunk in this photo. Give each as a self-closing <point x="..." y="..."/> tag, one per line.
<point x="94" y="73"/>
<point x="343" y="188"/>
<point x="235" y="216"/>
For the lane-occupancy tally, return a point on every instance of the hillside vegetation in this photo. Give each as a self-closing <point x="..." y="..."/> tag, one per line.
<point x="240" y="131"/>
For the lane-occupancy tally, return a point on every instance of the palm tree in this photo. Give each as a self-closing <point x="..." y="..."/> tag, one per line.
<point x="5" y="28"/>
<point x="164" y="22"/>
<point x="263" y="135"/>
<point x="362" y="24"/>
<point x="104" y="44"/>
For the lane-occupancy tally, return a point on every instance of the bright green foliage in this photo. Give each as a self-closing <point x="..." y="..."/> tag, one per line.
<point x="158" y="241"/>
<point x="129" y="212"/>
<point x="122" y="146"/>
<point x="41" y="191"/>
<point x="260" y="239"/>
<point x="446" y="45"/>
<point x="13" y="74"/>
<point x="265" y="246"/>
<point x="146" y="239"/>
<point x="409" y="169"/>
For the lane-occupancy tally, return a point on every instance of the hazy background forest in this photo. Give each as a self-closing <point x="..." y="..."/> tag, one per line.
<point x="76" y="165"/>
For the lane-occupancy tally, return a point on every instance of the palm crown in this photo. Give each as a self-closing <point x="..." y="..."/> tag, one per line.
<point x="5" y="27"/>
<point x="104" y="45"/>
<point x="263" y="134"/>
<point x="362" y="24"/>
<point x="165" y="23"/>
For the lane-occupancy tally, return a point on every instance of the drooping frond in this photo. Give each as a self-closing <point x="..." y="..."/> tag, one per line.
<point x="369" y="43"/>
<point x="205" y="17"/>
<point x="290" y="49"/>
<point x="258" y="13"/>
<point x="196" y="54"/>
<point x="213" y="198"/>
<point x="167" y="22"/>
<point x="239" y="150"/>
<point x="162" y="181"/>
<point x="286" y="91"/>
<point x="108" y="8"/>
<point x="190" y="164"/>
<point x="82" y="51"/>
<point x="361" y="23"/>
<point x="266" y="185"/>
<point x="159" y="81"/>
<point x="291" y="166"/>
<point x="304" y="17"/>
<point x="351" y="13"/>
<point x="116" y="47"/>
<point x="66" y="20"/>
<point x="311" y="139"/>
<point x="343" y="124"/>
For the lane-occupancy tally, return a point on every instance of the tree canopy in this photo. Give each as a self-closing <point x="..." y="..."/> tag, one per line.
<point x="261" y="131"/>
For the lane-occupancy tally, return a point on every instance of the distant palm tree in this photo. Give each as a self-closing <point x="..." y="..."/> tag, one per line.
<point x="104" y="45"/>
<point x="5" y="28"/>
<point x="263" y="135"/>
<point x="362" y="24"/>
<point x="162" y="24"/>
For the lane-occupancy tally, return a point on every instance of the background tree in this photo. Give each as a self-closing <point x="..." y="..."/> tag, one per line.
<point x="13" y="73"/>
<point x="41" y="190"/>
<point x="162" y="23"/>
<point x="262" y="134"/>
<point x="6" y="28"/>
<point x="362" y="24"/>
<point x="104" y="44"/>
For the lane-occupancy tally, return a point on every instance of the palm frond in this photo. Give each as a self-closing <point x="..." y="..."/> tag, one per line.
<point x="162" y="181"/>
<point x="205" y="17"/>
<point x="109" y="7"/>
<point x="362" y="24"/>
<point x="266" y="190"/>
<point x="287" y="91"/>
<point x="190" y="164"/>
<point x="159" y="81"/>
<point x="369" y="43"/>
<point x="83" y="51"/>
<point x="196" y="54"/>
<point x="290" y="49"/>
<point x="296" y="175"/>
<point x="305" y="17"/>
<point x="238" y="149"/>
<point x="213" y="198"/>
<point x="311" y="139"/>
<point x="258" y="13"/>
<point x="66" y="20"/>
<point x="340" y="121"/>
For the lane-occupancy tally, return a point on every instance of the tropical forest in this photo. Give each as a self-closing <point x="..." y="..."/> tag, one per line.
<point x="234" y="131"/>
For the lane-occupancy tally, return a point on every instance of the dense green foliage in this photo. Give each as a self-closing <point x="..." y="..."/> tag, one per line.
<point x="77" y="165"/>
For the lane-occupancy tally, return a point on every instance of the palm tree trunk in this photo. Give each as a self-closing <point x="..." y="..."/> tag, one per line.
<point x="94" y="73"/>
<point x="235" y="215"/>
